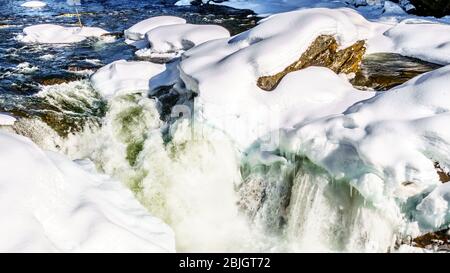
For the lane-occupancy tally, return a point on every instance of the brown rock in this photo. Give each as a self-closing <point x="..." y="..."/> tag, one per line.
<point x="56" y="79"/>
<point x="443" y="175"/>
<point x="441" y="239"/>
<point x="322" y="52"/>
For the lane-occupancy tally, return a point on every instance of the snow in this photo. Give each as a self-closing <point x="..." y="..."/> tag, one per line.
<point x="422" y="39"/>
<point x="384" y="145"/>
<point x="224" y="72"/>
<point x="6" y="120"/>
<point x="433" y="212"/>
<point x="172" y="40"/>
<point x="406" y="121"/>
<point x="122" y="76"/>
<point x="57" y="205"/>
<point x="135" y="35"/>
<point x="34" y="4"/>
<point x="318" y="114"/>
<point x="55" y="34"/>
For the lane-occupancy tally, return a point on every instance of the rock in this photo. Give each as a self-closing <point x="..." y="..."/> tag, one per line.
<point x="444" y="176"/>
<point x="322" y="52"/>
<point x="383" y="71"/>
<point x="439" y="240"/>
<point x="52" y="80"/>
<point x="437" y="8"/>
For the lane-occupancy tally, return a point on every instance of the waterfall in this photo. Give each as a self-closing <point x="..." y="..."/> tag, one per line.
<point x="217" y="198"/>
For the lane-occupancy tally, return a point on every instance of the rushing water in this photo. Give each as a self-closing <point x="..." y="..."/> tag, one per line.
<point x="212" y="195"/>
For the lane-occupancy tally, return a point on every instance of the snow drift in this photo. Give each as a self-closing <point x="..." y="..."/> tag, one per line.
<point x="55" y="34"/>
<point x="57" y="205"/>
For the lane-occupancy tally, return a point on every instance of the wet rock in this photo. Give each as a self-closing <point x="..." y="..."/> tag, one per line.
<point x="322" y="52"/>
<point x="56" y="79"/>
<point x="113" y="34"/>
<point x="437" y="241"/>
<point x="383" y="71"/>
<point x="437" y="8"/>
<point x="444" y="176"/>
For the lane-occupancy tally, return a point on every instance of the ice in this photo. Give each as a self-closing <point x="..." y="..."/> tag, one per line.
<point x="387" y="146"/>
<point x="55" y="34"/>
<point x="384" y="145"/>
<point x="57" y="205"/>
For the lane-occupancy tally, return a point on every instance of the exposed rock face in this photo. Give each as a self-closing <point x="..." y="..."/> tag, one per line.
<point x="437" y="8"/>
<point x="322" y="52"/>
<point x="56" y="79"/>
<point x="383" y="71"/>
<point x="438" y="241"/>
<point x="443" y="175"/>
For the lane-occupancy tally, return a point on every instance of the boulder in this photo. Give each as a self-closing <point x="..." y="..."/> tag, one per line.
<point x="322" y="52"/>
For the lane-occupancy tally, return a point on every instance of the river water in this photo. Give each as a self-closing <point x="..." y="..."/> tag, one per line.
<point x="24" y="67"/>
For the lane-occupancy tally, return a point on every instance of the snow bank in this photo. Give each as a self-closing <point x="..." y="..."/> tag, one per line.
<point x="34" y="4"/>
<point x="55" y="34"/>
<point x="6" y="120"/>
<point x="422" y="39"/>
<point x="409" y="123"/>
<point x="57" y="205"/>
<point x="136" y="34"/>
<point x="121" y="76"/>
<point x="224" y="72"/>
<point x="170" y="41"/>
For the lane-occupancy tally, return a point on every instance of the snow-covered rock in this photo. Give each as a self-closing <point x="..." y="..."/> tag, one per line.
<point x="170" y="41"/>
<point x="224" y="72"/>
<point x="318" y="114"/>
<point x="57" y="205"/>
<point x="34" y="4"/>
<point x="55" y="34"/>
<point x="121" y="76"/>
<point x="6" y="120"/>
<point x="135" y="35"/>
